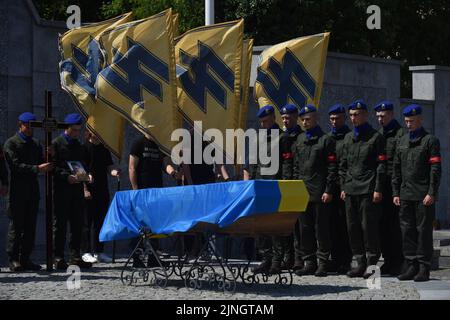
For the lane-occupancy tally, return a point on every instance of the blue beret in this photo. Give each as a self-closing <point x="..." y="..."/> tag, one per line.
<point x="336" y="109"/>
<point x="307" y="109"/>
<point x="289" y="108"/>
<point x="73" y="119"/>
<point x="412" y="110"/>
<point x="265" y="111"/>
<point x="357" y="105"/>
<point x="27" y="117"/>
<point x="383" y="106"/>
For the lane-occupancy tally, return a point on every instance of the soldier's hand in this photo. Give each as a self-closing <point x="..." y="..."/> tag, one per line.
<point x="326" y="197"/>
<point x="72" y="179"/>
<point x="343" y="195"/>
<point x="396" y="201"/>
<point x="115" y="172"/>
<point x="377" y="197"/>
<point x="87" y="195"/>
<point x="45" y="167"/>
<point x="428" y="201"/>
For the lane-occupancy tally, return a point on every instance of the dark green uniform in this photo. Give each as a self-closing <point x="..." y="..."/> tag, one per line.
<point x="341" y="254"/>
<point x="315" y="164"/>
<point x="3" y="170"/>
<point x="264" y="243"/>
<point x="363" y="171"/>
<point x="255" y="169"/>
<point x="283" y="247"/>
<point x="417" y="172"/>
<point x="68" y="198"/>
<point x="23" y="155"/>
<point x="390" y="233"/>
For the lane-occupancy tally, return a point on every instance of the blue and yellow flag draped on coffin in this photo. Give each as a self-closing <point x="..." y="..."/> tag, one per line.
<point x="209" y="89"/>
<point x="292" y="72"/>
<point x="168" y="210"/>
<point x="80" y="65"/>
<point x="139" y="81"/>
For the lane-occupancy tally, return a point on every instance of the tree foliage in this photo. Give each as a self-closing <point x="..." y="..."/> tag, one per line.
<point x="414" y="31"/>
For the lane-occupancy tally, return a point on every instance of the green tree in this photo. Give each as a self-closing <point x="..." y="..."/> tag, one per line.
<point x="56" y="10"/>
<point x="191" y="12"/>
<point x="413" y="31"/>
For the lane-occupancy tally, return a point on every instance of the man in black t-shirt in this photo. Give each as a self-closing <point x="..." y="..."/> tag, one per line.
<point x="99" y="164"/>
<point x="146" y="165"/>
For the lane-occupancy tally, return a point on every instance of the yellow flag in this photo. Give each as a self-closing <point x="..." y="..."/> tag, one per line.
<point x="209" y="74"/>
<point x="247" y="54"/>
<point x="176" y="24"/>
<point x="139" y="80"/>
<point x="292" y="72"/>
<point x="80" y="65"/>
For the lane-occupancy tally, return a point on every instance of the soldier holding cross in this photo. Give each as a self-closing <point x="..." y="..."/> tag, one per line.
<point x="24" y="156"/>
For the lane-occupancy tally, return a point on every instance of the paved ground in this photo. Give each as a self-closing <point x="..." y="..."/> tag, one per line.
<point x="103" y="282"/>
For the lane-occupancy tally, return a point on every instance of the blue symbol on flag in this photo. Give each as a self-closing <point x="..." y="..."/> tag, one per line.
<point x="141" y="69"/>
<point x="203" y="75"/>
<point x="84" y="68"/>
<point x="285" y="87"/>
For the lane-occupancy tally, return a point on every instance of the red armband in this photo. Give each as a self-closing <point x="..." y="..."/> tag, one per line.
<point x="287" y="155"/>
<point x="332" y="158"/>
<point x="382" y="157"/>
<point x="434" y="160"/>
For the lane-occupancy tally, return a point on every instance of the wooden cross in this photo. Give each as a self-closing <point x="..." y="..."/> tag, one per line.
<point x="48" y="124"/>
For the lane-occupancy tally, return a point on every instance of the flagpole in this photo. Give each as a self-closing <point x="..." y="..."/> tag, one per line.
<point x="209" y="12"/>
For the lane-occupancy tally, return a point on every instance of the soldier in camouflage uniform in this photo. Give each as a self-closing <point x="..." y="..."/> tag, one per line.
<point x="390" y="233"/>
<point x="363" y="172"/>
<point x="315" y="163"/>
<point x="341" y="254"/>
<point x="417" y="174"/>
<point x="283" y="247"/>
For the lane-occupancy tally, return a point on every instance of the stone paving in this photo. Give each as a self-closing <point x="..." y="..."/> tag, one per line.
<point x="103" y="282"/>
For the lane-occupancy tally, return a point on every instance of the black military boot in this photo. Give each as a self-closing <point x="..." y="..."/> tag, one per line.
<point x="275" y="267"/>
<point x="410" y="272"/>
<point x="263" y="267"/>
<point x="15" y="266"/>
<point x="60" y="264"/>
<point x="298" y="264"/>
<point x="423" y="274"/>
<point x="288" y="262"/>
<point x="309" y="268"/>
<point x="372" y="262"/>
<point x="359" y="270"/>
<point x="321" y="270"/>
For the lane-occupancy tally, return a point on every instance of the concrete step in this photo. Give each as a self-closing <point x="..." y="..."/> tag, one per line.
<point x="441" y="238"/>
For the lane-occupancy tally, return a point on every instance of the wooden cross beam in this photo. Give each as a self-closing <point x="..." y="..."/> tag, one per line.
<point x="48" y="124"/>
